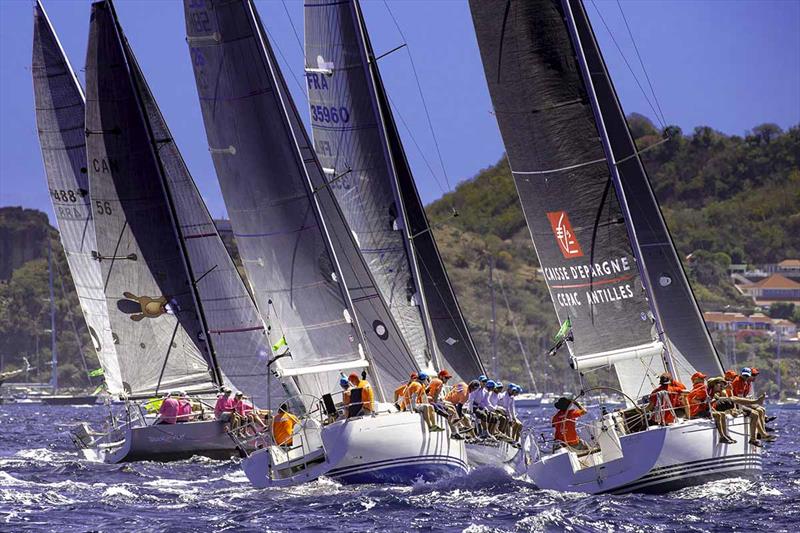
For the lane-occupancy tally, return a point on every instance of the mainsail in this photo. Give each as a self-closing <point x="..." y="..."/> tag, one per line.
<point x="360" y="149"/>
<point x="565" y="182"/>
<point x="679" y="315"/>
<point x="60" y="123"/>
<point x="155" y="319"/>
<point x="300" y="256"/>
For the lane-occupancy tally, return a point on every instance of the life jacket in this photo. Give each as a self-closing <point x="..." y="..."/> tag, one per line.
<point x="367" y="396"/>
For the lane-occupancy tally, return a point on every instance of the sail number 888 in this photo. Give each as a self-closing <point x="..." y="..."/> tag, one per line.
<point x="334" y="115"/>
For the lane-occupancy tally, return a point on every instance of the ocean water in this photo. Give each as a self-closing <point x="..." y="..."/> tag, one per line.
<point x="46" y="486"/>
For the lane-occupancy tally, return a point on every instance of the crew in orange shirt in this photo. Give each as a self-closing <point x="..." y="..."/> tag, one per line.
<point x="367" y="396"/>
<point x="283" y="426"/>
<point x="564" y="424"/>
<point x="417" y="401"/>
<point x="399" y="392"/>
<point x="666" y="398"/>
<point x="698" y="397"/>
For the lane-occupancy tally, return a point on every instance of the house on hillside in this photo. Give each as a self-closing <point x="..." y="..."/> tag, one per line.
<point x="755" y="324"/>
<point x="775" y="288"/>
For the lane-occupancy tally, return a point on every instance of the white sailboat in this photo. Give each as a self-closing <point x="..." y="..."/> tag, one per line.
<point x="610" y="264"/>
<point x="359" y="147"/>
<point x="179" y="314"/>
<point x="305" y="269"/>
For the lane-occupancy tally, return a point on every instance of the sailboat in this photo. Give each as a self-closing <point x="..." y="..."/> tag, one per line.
<point x="610" y="265"/>
<point x="180" y="314"/>
<point x="359" y="147"/>
<point x="305" y="268"/>
<point x="60" y="113"/>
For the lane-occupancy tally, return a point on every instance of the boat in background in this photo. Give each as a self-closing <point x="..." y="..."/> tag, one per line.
<point x="179" y="313"/>
<point x="611" y="268"/>
<point x="305" y="270"/>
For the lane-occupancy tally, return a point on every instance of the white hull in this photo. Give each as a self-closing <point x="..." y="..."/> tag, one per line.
<point x="161" y="442"/>
<point x="659" y="459"/>
<point x="494" y="454"/>
<point x="386" y="448"/>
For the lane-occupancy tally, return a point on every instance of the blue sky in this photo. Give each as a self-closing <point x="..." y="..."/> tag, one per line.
<point x="727" y="64"/>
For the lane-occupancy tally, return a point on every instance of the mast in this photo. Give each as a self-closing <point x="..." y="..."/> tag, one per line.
<point x="494" y="315"/>
<point x="206" y="341"/>
<point x="53" y="347"/>
<point x="612" y="167"/>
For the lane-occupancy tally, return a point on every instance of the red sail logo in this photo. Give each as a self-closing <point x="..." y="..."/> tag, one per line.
<point x="562" y="229"/>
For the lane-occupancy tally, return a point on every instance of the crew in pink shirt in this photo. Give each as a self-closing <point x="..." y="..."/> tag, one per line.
<point x="242" y="406"/>
<point x="169" y="410"/>
<point x="184" y="408"/>
<point x="224" y="403"/>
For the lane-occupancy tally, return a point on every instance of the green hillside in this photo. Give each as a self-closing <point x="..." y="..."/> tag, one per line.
<point x="726" y="199"/>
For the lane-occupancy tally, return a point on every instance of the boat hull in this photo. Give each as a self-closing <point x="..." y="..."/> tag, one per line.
<point x="657" y="460"/>
<point x="491" y="454"/>
<point x="163" y="442"/>
<point x="394" y="448"/>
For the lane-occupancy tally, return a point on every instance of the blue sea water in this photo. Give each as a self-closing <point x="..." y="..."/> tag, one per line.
<point x="46" y="486"/>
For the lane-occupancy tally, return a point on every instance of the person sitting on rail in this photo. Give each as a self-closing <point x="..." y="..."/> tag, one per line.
<point x="515" y="426"/>
<point x="497" y="418"/>
<point x="753" y="408"/>
<point x="436" y="398"/>
<point x="223" y="408"/>
<point x="400" y="391"/>
<point x="169" y="410"/>
<point x="564" y="425"/>
<point x="476" y="403"/>
<point x="729" y="376"/>
<point x="184" y="408"/>
<point x="698" y="399"/>
<point x="283" y="425"/>
<point x="417" y="401"/>
<point x="720" y="405"/>
<point x="246" y="413"/>
<point x="665" y="399"/>
<point x="367" y="396"/>
<point x="497" y="401"/>
<point x="458" y="396"/>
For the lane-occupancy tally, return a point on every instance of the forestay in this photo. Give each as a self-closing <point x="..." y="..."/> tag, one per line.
<point x="60" y="122"/>
<point x="565" y="186"/>
<point x="154" y="317"/>
<point x="359" y="146"/>
<point x="300" y="255"/>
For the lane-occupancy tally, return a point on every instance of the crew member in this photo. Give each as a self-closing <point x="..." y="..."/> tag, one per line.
<point x="740" y="388"/>
<point x="564" y="424"/>
<point x="509" y="403"/>
<point x="720" y="404"/>
<point x="417" y="401"/>
<point x="367" y="396"/>
<point x="665" y="398"/>
<point x="283" y="426"/>
<point x="169" y="410"/>
<point x="400" y="391"/>
<point x="184" y="407"/>
<point x="698" y="397"/>
<point x="224" y="406"/>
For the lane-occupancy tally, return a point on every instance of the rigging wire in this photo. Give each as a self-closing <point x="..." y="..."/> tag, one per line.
<point x="641" y="62"/>
<point x="625" y="59"/>
<point x="422" y="97"/>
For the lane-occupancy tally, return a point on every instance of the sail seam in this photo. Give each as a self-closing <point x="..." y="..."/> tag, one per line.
<point x="562" y="169"/>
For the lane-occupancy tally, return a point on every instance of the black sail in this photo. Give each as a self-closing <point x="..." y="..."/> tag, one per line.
<point x="565" y="184"/>
<point x="60" y="111"/>
<point x="300" y="255"/>
<point x="234" y="325"/>
<point x="153" y="312"/>
<point x="373" y="181"/>
<point x="676" y="307"/>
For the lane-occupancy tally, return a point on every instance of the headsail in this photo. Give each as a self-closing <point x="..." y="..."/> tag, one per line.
<point x="566" y="188"/>
<point x="359" y="146"/>
<point x="60" y="122"/>
<point x="154" y="315"/>
<point x="235" y="328"/>
<point x="300" y="256"/>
